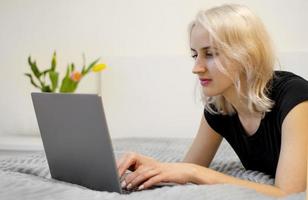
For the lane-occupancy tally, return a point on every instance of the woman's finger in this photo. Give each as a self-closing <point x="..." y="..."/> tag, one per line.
<point x="125" y="162"/>
<point x="152" y="181"/>
<point x="144" y="177"/>
<point x="118" y="162"/>
<point x="134" y="174"/>
<point x="139" y="176"/>
<point x="121" y="159"/>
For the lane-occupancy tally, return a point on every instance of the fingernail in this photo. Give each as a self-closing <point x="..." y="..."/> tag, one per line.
<point x="129" y="186"/>
<point x="123" y="184"/>
<point x="141" y="187"/>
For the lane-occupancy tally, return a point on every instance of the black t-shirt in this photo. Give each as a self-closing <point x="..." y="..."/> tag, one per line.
<point x="260" y="151"/>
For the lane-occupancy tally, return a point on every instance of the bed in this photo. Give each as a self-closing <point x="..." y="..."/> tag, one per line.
<point x="28" y="177"/>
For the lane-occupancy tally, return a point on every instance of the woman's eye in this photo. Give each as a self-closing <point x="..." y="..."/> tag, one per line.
<point x="194" y="56"/>
<point x="207" y="55"/>
<point x="210" y="54"/>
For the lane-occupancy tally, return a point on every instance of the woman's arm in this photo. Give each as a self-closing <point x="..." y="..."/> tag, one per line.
<point x="144" y="168"/>
<point x="204" y="146"/>
<point x="204" y="175"/>
<point x="290" y="175"/>
<point x="292" y="164"/>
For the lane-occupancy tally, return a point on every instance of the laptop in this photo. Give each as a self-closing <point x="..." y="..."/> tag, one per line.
<point x="76" y="140"/>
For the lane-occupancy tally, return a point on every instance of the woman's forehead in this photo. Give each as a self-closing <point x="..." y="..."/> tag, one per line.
<point x="199" y="37"/>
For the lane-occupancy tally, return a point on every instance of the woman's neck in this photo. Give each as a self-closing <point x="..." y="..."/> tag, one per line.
<point x="239" y="103"/>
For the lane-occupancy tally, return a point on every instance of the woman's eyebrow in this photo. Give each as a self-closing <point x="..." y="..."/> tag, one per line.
<point x="202" y="49"/>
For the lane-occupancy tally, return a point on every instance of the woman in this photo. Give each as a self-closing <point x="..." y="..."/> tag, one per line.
<point x="262" y="113"/>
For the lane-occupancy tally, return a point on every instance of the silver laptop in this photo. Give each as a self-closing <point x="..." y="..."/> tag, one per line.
<point x="76" y="140"/>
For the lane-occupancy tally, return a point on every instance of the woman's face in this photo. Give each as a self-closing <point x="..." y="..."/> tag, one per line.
<point x="213" y="81"/>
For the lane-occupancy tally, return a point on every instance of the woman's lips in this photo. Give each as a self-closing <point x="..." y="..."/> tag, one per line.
<point x="205" y="81"/>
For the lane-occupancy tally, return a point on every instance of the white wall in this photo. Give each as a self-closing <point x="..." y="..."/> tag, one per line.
<point x="148" y="89"/>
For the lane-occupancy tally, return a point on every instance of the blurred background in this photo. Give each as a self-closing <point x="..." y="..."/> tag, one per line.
<point x="148" y="89"/>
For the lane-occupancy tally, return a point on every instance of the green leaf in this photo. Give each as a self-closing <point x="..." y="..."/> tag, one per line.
<point x="67" y="74"/>
<point x="90" y="66"/>
<point x="72" y="67"/>
<point x="83" y="64"/>
<point x="68" y="85"/>
<point x="34" y="68"/>
<point x="53" y="76"/>
<point x="46" y="71"/>
<point x="63" y="83"/>
<point x="46" y="89"/>
<point x="32" y="81"/>
<point x="53" y="61"/>
<point x="73" y="86"/>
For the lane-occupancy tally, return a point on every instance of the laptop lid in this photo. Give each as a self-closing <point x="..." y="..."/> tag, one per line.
<point x="76" y="139"/>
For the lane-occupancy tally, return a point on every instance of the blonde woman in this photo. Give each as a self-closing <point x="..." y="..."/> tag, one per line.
<point x="262" y="113"/>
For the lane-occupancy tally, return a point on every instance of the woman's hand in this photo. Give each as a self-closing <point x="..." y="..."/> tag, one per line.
<point x="148" y="171"/>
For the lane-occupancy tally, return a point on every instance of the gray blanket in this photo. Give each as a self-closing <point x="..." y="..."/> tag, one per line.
<point x="28" y="177"/>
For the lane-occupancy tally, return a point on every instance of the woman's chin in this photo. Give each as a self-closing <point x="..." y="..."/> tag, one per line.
<point x="210" y="93"/>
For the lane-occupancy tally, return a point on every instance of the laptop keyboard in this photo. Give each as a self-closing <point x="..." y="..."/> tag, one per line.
<point x="125" y="191"/>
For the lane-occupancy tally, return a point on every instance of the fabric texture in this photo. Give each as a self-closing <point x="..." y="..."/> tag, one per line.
<point x="28" y="177"/>
<point x="261" y="150"/>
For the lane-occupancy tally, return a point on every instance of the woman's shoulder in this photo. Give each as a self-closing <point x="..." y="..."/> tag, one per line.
<point x="285" y="81"/>
<point x="286" y="91"/>
<point x="286" y="77"/>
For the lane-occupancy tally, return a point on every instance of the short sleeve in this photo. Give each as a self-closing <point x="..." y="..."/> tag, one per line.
<point x="215" y="121"/>
<point x="289" y="94"/>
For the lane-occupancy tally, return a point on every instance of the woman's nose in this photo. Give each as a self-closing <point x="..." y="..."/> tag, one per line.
<point x="199" y="68"/>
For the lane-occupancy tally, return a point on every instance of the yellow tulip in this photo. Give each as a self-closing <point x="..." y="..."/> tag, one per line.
<point x="99" y="67"/>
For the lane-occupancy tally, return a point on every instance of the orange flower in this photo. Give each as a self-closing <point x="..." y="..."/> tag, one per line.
<point x="76" y="76"/>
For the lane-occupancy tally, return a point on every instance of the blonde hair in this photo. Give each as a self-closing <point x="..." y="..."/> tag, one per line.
<point x="242" y="40"/>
